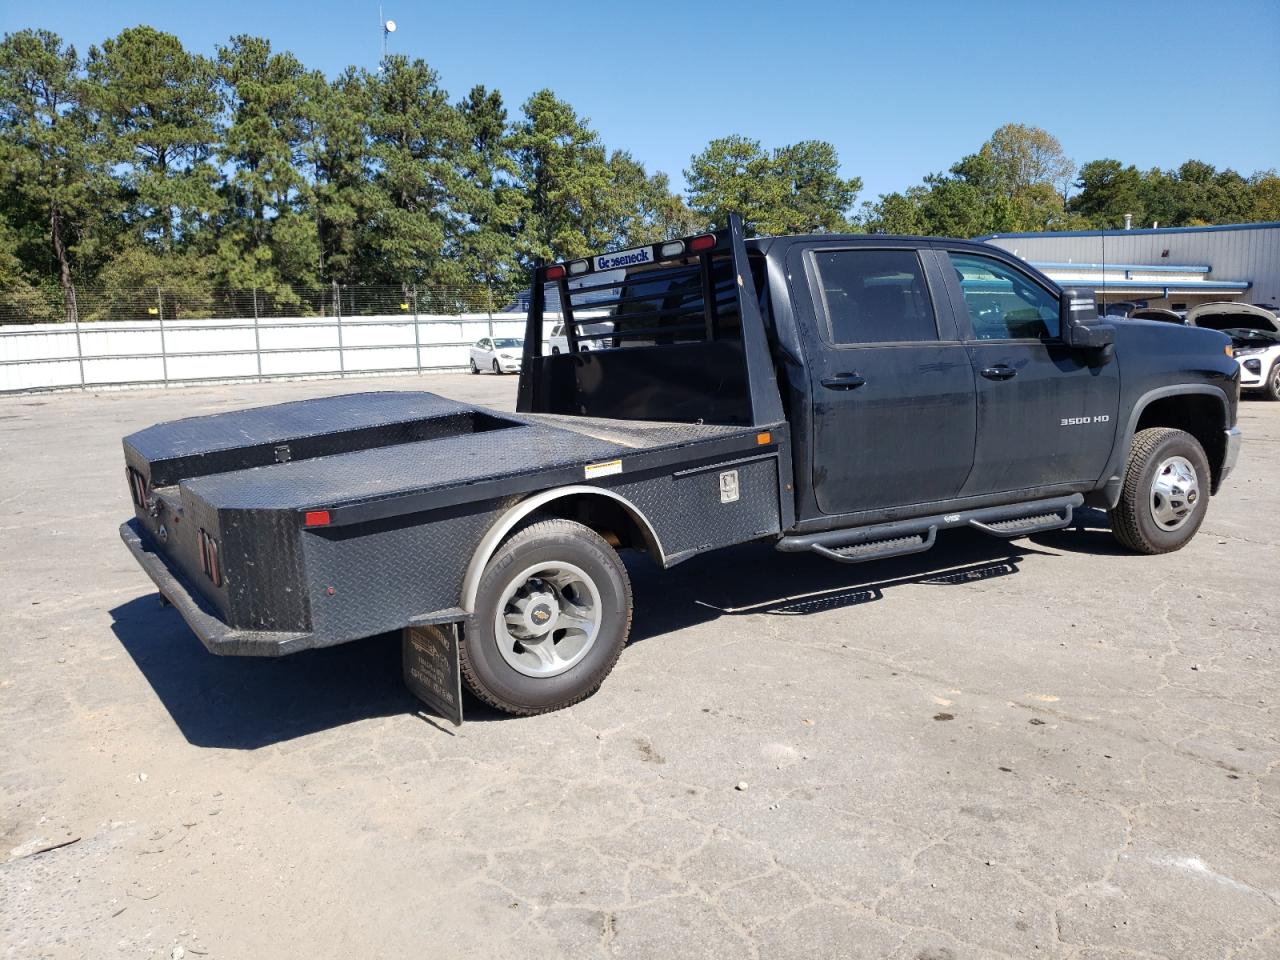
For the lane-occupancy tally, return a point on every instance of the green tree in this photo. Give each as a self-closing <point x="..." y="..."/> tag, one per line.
<point x="794" y="189"/>
<point x="565" y="173"/>
<point x="1107" y="191"/>
<point x="1024" y="158"/>
<point x="53" y="178"/>
<point x="159" y="105"/>
<point x="815" y="198"/>
<point x="1264" y="189"/>
<point x="267" y="236"/>
<point x="734" y="174"/>
<point x="489" y="246"/>
<point x="417" y="137"/>
<point x="340" y="157"/>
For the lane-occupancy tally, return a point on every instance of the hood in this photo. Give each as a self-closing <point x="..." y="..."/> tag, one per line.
<point x="1232" y="316"/>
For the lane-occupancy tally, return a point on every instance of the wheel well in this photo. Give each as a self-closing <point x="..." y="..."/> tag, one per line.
<point x="607" y="517"/>
<point x="1200" y="415"/>
<point x="611" y="515"/>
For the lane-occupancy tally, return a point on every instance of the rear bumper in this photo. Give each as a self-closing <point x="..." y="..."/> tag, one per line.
<point x="216" y="635"/>
<point x="1232" y="453"/>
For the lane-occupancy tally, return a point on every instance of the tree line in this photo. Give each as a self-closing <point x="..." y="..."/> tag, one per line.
<point x="143" y="164"/>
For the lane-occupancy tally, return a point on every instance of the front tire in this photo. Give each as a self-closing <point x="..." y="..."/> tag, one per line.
<point x="497" y="369"/>
<point x="553" y="612"/>
<point x="1271" y="389"/>
<point x="474" y="368"/>
<point x="1165" y="494"/>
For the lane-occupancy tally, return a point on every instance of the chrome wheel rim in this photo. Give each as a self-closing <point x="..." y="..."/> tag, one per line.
<point x="548" y="618"/>
<point x="1175" y="491"/>
<point x="1275" y="378"/>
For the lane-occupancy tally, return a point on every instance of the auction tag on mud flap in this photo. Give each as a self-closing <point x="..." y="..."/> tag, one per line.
<point x="729" y="486"/>
<point x="431" y="670"/>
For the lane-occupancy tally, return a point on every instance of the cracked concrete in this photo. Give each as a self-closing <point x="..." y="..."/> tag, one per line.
<point x="1041" y="748"/>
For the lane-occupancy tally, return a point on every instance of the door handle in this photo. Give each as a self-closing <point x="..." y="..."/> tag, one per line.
<point x="1000" y="372"/>
<point x="843" y="381"/>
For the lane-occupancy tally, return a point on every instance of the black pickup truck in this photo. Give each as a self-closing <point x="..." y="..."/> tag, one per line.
<point x="852" y="396"/>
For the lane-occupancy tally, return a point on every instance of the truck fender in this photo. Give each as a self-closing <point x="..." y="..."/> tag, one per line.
<point x="1120" y="449"/>
<point x="490" y="542"/>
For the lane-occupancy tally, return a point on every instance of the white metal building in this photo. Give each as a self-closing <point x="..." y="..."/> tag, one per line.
<point x="1173" y="267"/>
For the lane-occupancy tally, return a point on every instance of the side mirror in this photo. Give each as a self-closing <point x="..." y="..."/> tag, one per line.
<point x="1079" y="323"/>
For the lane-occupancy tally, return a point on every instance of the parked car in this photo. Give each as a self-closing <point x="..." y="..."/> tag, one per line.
<point x="1255" y="338"/>
<point x="1158" y="313"/>
<point x="850" y="396"/>
<point x="1121" y="309"/>
<point x="499" y="354"/>
<point x="593" y="336"/>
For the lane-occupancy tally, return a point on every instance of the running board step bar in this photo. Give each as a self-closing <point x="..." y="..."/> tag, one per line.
<point x="1024" y="526"/>
<point x="878" y="549"/>
<point x="902" y="537"/>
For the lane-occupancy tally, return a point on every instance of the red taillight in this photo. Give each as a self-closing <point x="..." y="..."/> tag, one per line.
<point x="210" y="565"/>
<point x="555" y="272"/>
<point x="137" y="487"/>
<point x="317" y="518"/>
<point x="704" y="242"/>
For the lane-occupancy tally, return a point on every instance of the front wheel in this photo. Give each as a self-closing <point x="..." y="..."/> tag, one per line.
<point x="552" y="615"/>
<point x="497" y="369"/>
<point x="1271" y="389"/>
<point x="474" y="368"/>
<point x="1165" y="493"/>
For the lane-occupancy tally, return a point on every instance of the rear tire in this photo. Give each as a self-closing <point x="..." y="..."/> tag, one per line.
<point x="1271" y="389"/>
<point x="553" y="612"/>
<point x="1165" y="494"/>
<point x="555" y="351"/>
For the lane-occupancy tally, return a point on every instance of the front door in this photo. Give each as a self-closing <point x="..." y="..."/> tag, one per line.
<point x="1046" y="413"/>
<point x="893" y="400"/>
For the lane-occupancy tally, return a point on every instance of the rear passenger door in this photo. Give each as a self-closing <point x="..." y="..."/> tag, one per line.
<point x="1046" y="413"/>
<point x="891" y="384"/>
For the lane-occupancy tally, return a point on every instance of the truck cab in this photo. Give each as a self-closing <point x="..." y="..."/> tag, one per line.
<point x="915" y="376"/>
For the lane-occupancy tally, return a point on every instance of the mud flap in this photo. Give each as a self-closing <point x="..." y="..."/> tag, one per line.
<point x="431" y="669"/>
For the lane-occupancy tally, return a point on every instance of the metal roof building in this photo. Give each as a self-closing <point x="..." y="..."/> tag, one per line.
<point x="1175" y="267"/>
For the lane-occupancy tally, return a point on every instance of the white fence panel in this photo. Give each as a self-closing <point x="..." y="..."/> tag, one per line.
<point x="44" y="356"/>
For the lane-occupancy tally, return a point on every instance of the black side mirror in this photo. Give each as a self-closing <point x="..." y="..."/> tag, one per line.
<point x="1081" y="328"/>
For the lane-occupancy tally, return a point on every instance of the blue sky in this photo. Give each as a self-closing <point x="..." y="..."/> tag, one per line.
<point x="901" y="88"/>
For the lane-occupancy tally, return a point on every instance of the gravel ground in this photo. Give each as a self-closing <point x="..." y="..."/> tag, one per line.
<point x="1043" y="748"/>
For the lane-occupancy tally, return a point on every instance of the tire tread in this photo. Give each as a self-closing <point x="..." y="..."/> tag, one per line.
<point x="1124" y="517"/>
<point x="540" y="530"/>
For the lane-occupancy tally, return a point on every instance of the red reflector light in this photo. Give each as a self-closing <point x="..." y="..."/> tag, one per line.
<point x="209" y="563"/>
<point x="137" y="487"/>
<point x="317" y="518"/>
<point x="555" y="272"/>
<point x="704" y="242"/>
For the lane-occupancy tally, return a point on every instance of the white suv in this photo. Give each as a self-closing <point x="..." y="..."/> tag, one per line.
<point x="1255" y="338"/>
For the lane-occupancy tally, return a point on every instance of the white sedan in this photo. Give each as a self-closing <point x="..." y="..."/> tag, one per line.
<point x="499" y="354"/>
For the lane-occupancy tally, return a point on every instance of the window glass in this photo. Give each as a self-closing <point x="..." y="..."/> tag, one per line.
<point x="875" y="296"/>
<point x="1003" y="302"/>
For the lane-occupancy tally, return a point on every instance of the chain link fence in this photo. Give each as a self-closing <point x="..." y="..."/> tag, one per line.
<point x="101" y="304"/>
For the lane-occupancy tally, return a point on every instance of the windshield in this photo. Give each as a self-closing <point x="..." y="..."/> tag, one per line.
<point x="508" y="343"/>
